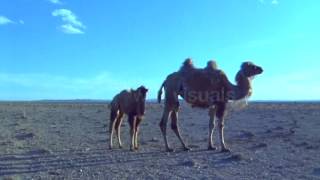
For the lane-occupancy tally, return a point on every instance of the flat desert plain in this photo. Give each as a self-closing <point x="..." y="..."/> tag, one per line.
<point x="70" y="141"/>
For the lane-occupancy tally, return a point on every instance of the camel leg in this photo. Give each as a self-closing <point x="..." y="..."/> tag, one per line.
<point x="175" y="128"/>
<point x="163" y="127"/>
<point x="113" y="117"/>
<point x="132" y="123"/>
<point x="220" y="114"/>
<point x="212" y="114"/>
<point x="118" y="127"/>
<point x="138" y="120"/>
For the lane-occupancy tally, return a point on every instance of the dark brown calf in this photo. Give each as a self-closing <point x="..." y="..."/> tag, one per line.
<point x="132" y="103"/>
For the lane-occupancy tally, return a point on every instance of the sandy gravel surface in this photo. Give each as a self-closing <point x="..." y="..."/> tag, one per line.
<point x="70" y="141"/>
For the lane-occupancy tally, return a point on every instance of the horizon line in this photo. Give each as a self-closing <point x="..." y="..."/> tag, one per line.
<point x="148" y="100"/>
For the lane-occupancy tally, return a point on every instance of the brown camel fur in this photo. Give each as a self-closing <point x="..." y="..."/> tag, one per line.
<point x="132" y="103"/>
<point x="204" y="88"/>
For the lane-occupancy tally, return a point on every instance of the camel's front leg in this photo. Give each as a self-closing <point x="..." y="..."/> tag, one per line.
<point x="221" y="136"/>
<point x="136" y="147"/>
<point x="175" y="128"/>
<point x="138" y="121"/>
<point x="220" y="114"/>
<point x="132" y="123"/>
<point x="212" y="114"/>
<point x="163" y="127"/>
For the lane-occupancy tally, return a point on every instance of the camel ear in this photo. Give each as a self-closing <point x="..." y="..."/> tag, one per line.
<point x="245" y="65"/>
<point x="143" y="91"/>
<point x="245" y="68"/>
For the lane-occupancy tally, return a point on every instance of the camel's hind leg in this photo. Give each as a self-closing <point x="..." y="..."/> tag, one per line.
<point x="138" y="121"/>
<point x="163" y="127"/>
<point x="175" y="128"/>
<point x="212" y="114"/>
<point x="220" y="114"/>
<point x="118" y="127"/>
<point x="113" y="117"/>
<point x="132" y="123"/>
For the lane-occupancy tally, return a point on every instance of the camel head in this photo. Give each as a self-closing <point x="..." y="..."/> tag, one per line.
<point x="140" y="98"/>
<point x="142" y="91"/>
<point x="243" y="78"/>
<point x="249" y="69"/>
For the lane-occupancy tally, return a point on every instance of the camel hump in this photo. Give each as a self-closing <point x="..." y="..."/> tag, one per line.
<point x="200" y="79"/>
<point x="203" y="79"/>
<point x="187" y="66"/>
<point x="211" y="65"/>
<point x="187" y="63"/>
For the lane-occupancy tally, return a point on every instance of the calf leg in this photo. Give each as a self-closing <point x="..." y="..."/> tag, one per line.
<point x="220" y="114"/>
<point x="212" y="114"/>
<point x="175" y="128"/>
<point x="132" y="123"/>
<point x="163" y="127"/>
<point x="118" y="127"/>
<point x="138" y="121"/>
<point x="113" y="116"/>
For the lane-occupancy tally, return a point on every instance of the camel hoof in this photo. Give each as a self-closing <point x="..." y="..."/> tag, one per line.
<point x="212" y="148"/>
<point x="120" y="147"/>
<point x="187" y="149"/>
<point x="225" y="150"/>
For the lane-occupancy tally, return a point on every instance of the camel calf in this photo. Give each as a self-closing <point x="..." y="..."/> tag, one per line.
<point x="132" y="103"/>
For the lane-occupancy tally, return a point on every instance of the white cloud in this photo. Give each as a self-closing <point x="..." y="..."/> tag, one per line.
<point x="69" y="29"/>
<point x="72" y="24"/>
<point x="4" y="20"/>
<point x="68" y="17"/>
<point x="55" y="1"/>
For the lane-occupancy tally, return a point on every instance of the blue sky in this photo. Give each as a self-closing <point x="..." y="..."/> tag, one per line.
<point x="80" y="49"/>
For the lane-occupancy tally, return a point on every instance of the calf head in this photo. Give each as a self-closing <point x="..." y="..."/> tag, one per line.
<point x="140" y="99"/>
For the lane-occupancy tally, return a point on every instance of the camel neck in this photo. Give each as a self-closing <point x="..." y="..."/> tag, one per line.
<point x="243" y="87"/>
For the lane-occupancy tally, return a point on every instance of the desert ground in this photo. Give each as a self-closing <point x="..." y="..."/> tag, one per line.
<point x="68" y="140"/>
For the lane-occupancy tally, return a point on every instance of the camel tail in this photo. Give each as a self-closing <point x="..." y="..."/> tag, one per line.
<point x="160" y="93"/>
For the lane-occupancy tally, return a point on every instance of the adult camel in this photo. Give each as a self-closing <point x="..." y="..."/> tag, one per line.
<point x="207" y="88"/>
